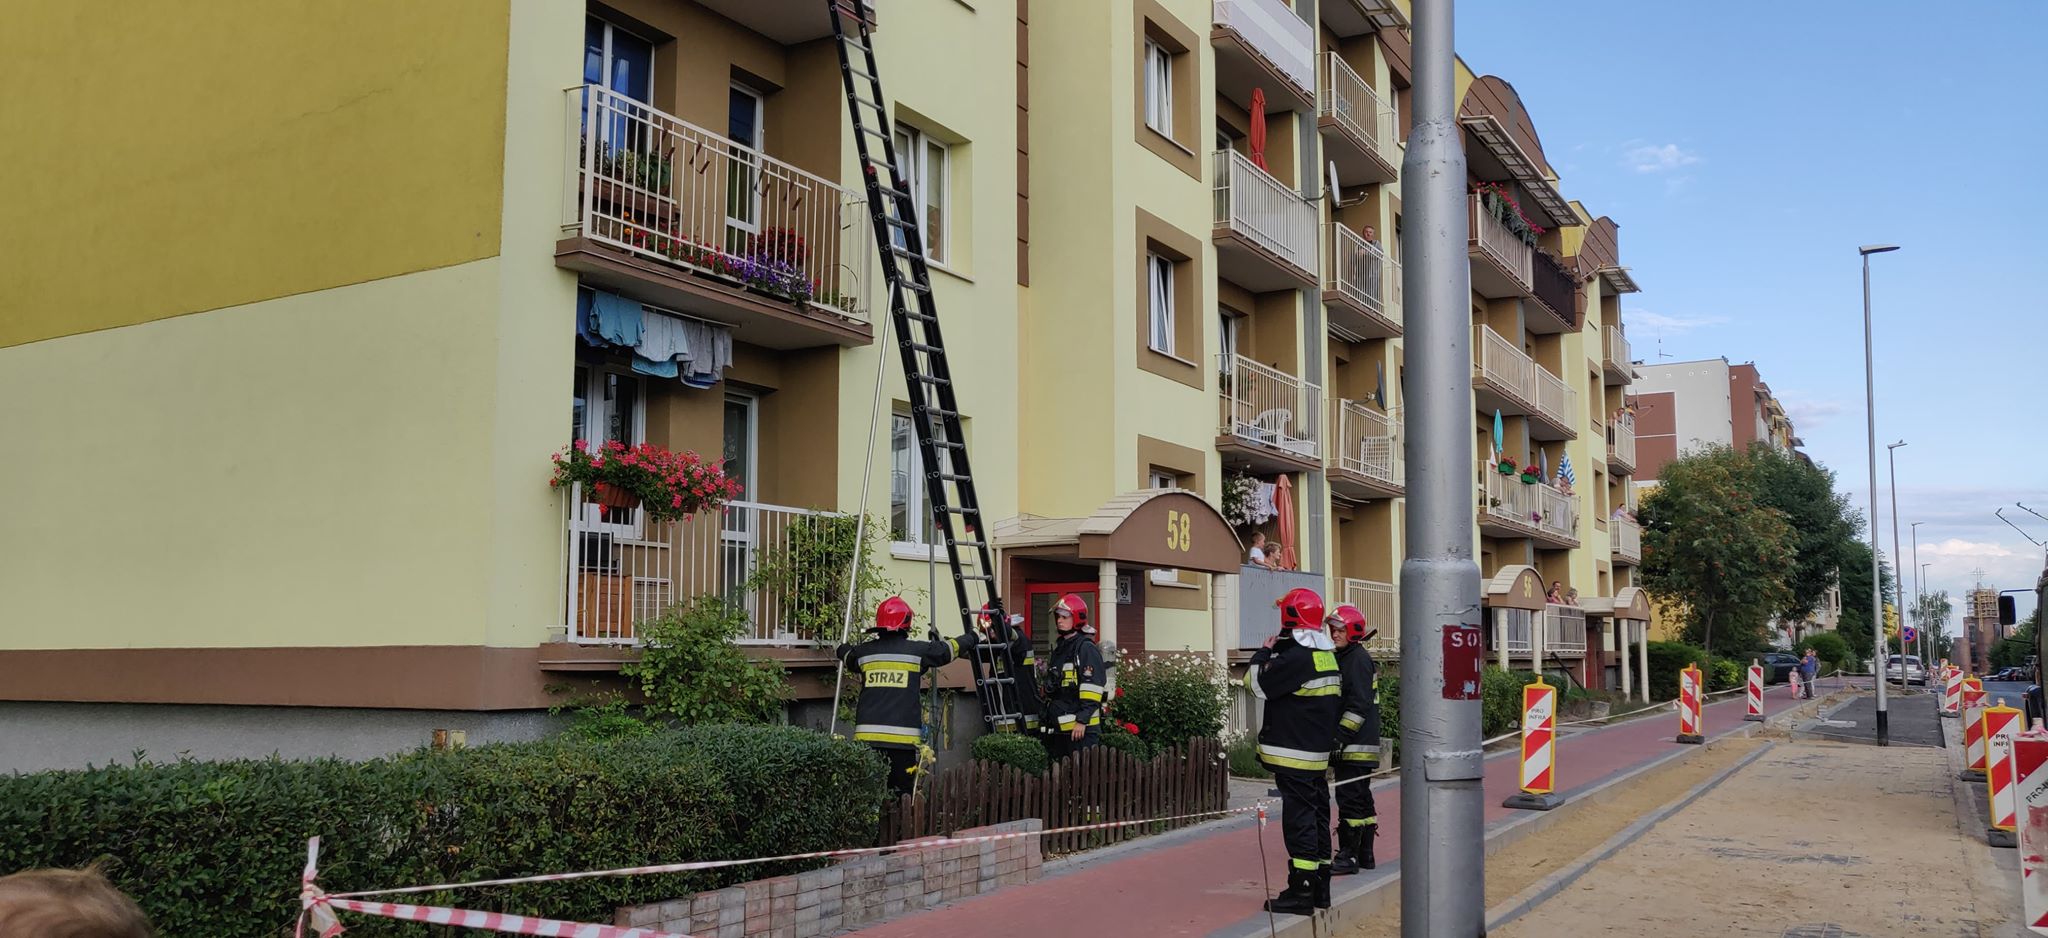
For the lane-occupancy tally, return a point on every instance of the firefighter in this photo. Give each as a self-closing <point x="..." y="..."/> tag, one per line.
<point x="1076" y="676"/>
<point x="1296" y="674"/>
<point x="889" y="716"/>
<point x="1358" y="743"/>
<point x="1019" y="660"/>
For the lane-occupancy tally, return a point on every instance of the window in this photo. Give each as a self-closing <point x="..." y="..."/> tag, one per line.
<point x="910" y="520"/>
<point x="1159" y="270"/>
<point x="605" y="406"/>
<point x="617" y="60"/>
<point x="1226" y="330"/>
<point x="1163" y="479"/>
<point x="925" y="167"/>
<point x="1158" y="88"/>
<point x="743" y="175"/>
<point x="738" y="534"/>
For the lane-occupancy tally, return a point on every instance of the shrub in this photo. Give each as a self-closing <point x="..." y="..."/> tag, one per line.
<point x="1830" y="648"/>
<point x="810" y="571"/>
<point x="1171" y="699"/>
<point x="690" y="670"/>
<point x="608" y="719"/>
<point x="1500" y="704"/>
<point x="1390" y="716"/>
<point x="1243" y="752"/>
<point x="215" y="848"/>
<point x="1012" y="749"/>
<point x="1116" y="737"/>
<point x="1668" y="658"/>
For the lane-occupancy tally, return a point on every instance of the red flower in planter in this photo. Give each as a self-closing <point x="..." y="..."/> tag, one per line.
<point x="1131" y="728"/>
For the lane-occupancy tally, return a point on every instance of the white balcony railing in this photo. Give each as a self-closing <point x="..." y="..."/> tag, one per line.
<point x="620" y="569"/>
<point x="1532" y="508"/>
<point x="1250" y="202"/>
<point x="1276" y="34"/>
<point x="1564" y="631"/>
<point x="1495" y="241"/>
<point x="1367" y="442"/>
<point x="1554" y="398"/>
<point x="1621" y="442"/>
<point x="1558" y="512"/>
<point x="1504" y="366"/>
<point x="1617" y="348"/>
<point x="1270" y="407"/>
<point x="656" y="186"/>
<point x="1348" y="100"/>
<point x="1381" y="603"/>
<point x="1362" y="272"/>
<point x="1627" y="539"/>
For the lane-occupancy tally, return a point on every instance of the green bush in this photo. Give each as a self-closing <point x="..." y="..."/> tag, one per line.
<point x="1830" y="648"/>
<point x="1390" y="716"/>
<point x="1116" y="737"/>
<point x="810" y="570"/>
<point x="1012" y="749"/>
<point x="1242" y="750"/>
<point x="215" y="848"/>
<point x="1500" y="703"/>
<point x="1170" y="699"/>
<point x="1668" y="658"/>
<point x="690" y="670"/>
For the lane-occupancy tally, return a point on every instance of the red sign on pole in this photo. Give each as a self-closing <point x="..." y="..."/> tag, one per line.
<point x="1464" y="659"/>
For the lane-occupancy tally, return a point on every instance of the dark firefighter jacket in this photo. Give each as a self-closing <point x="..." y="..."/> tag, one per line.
<point x="1301" y="687"/>
<point x="891" y="667"/>
<point x="1358" y="723"/>
<point x="1074" y="678"/>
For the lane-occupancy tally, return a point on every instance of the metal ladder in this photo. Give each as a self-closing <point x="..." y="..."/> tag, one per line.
<point x="927" y="377"/>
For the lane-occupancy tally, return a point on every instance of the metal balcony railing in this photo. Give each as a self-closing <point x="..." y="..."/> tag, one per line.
<point x="1554" y="398"/>
<point x="1279" y="36"/>
<point x="1552" y="285"/>
<point x="1270" y="407"/>
<point x="1362" y="272"/>
<point x="1381" y="603"/>
<point x="1627" y="537"/>
<point x="1621" y="443"/>
<point x="1558" y="512"/>
<point x="1367" y="442"/>
<point x="1251" y="203"/>
<point x="1504" y="366"/>
<point x="1564" y="631"/>
<point x="1493" y="239"/>
<point x="1348" y="100"/>
<point x="1617" y="351"/>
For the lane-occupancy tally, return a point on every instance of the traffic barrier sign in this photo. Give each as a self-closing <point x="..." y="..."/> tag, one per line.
<point x="1689" y="689"/>
<point x="1973" y="692"/>
<point x="1952" y="694"/>
<point x="2001" y="725"/>
<point x="1973" y="744"/>
<point x="2030" y="761"/>
<point x="1755" y="696"/>
<point x="1539" y="750"/>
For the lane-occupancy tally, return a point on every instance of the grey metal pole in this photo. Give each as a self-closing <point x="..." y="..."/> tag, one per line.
<point x="1891" y="451"/>
<point x="1877" y="657"/>
<point x="1442" y="841"/>
<point x="1919" y="598"/>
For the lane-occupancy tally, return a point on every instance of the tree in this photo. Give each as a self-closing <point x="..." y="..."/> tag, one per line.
<point x="1855" y="579"/>
<point x="2015" y="649"/>
<point x="1932" y="611"/>
<point x="1823" y="524"/>
<point x="1713" y="548"/>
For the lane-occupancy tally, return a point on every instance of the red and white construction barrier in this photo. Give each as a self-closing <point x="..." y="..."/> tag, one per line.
<point x="2001" y="725"/>
<point x="2030" y="768"/>
<point x="1539" y="749"/>
<point x="1755" y="697"/>
<point x="1689" y="705"/>
<point x="1973" y="743"/>
<point x="1973" y="692"/>
<point x="1952" y="693"/>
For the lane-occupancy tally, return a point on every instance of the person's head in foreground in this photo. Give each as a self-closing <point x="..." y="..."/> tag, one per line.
<point x="68" y="904"/>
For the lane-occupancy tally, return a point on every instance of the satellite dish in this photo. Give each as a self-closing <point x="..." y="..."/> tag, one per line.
<point x="1336" y="191"/>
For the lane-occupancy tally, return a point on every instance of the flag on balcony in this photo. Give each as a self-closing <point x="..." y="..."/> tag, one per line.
<point x="1564" y="470"/>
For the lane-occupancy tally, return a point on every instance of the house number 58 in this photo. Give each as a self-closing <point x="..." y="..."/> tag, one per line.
<point x="1178" y="525"/>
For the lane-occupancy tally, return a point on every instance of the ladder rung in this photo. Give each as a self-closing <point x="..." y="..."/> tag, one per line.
<point x="999" y="680"/>
<point x="928" y="349"/>
<point x="954" y="476"/>
<point x="857" y="99"/>
<point x="905" y="253"/>
<point x="938" y="411"/>
<point x="977" y="576"/>
<point x="870" y="131"/>
<point x="968" y="543"/>
<point x="929" y="379"/>
<point x="920" y="317"/>
<point x="958" y="510"/>
<point x="949" y="444"/>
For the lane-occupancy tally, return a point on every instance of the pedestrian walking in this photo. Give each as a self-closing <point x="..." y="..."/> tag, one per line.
<point x="889" y="716"/>
<point x="1358" y="743"/>
<point x="1075" y="673"/>
<point x="1296" y="674"/>
<point x="1809" y="669"/>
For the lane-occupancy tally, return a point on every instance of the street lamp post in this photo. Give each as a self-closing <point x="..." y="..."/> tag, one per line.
<point x="1891" y="451"/>
<point x="1919" y="597"/>
<point x="1921" y="575"/>
<point x="1877" y="657"/>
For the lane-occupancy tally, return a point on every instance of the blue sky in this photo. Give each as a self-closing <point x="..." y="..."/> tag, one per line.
<point x="1747" y="152"/>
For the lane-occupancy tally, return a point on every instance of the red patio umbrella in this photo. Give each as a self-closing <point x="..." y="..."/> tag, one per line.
<point x="1283" y="505"/>
<point x="1259" y="127"/>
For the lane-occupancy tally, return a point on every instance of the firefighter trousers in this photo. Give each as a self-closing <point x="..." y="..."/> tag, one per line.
<point x="1059" y="744"/>
<point x="902" y="763"/>
<point x="1305" y="818"/>
<point x="1355" y="807"/>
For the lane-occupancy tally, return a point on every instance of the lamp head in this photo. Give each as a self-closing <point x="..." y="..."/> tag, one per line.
<point x="1870" y="249"/>
<point x="1895" y="445"/>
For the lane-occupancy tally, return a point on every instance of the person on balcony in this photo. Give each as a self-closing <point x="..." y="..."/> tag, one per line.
<point x="889" y="716"/>
<point x="1556" y="594"/>
<point x="1077" y="678"/>
<point x="1260" y="555"/>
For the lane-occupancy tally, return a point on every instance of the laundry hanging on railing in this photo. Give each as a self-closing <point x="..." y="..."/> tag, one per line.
<point x="693" y="351"/>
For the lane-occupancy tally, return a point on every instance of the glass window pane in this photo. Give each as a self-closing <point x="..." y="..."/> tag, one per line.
<point x="902" y="487"/>
<point x="632" y="71"/>
<point x="743" y="123"/>
<point x="622" y="405"/>
<point x="739" y="442"/>
<point x="579" y="408"/>
<point x="935" y="201"/>
<point x="593" y="51"/>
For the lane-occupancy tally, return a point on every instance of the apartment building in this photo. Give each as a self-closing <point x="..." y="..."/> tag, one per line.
<point x="1681" y="406"/>
<point x="326" y="366"/>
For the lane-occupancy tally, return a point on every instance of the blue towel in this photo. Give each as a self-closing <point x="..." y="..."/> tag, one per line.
<point x="614" y="319"/>
<point x="655" y="369"/>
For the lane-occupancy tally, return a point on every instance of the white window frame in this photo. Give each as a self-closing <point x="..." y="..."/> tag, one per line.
<point x="597" y="414"/>
<point x="917" y="514"/>
<point x="1159" y="312"/>
<point x="914" y="148"/>
<point x="1158" y="90"/>
<point x="749" y="154"/>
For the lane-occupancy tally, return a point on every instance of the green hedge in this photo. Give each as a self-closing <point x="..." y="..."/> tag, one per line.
<point x="1012" y="749"/>
<point x="216" y="847"/>
<point x="1668" y="658"/>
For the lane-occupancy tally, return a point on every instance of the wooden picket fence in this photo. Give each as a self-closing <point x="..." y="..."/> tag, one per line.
<point x="1095" y="786"/>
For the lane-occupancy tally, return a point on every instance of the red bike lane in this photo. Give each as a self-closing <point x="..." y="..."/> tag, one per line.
<point x="1198" y="886"/>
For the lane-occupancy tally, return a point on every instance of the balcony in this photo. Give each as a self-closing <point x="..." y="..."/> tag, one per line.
<point x="1365" y="456"/>
<point x="1614" y="356"/>
<point x="1510" y="508"/>
<point x="1358" y="128"/>
<point x="1265" y="234"/>
<point x="788" y="22"/>
<point x="1621" y="446"/>
<point x="1258" y="591"/>
<point x="1564" y="631"/>
<point x="620" y="568"/>
<point x="1554" y="287"/>
<point x="673" y="215"/>
<point x="1262" y="44"/>
<point x="1557" y="403"/>
<point x="1271" y="420"/>
<point x="1626" y="540"/>
<point x="1362" y="287"/>
<point x="1503" y="378"/>
<point x="1381" y="603"/>
<point x="1501" y="263"/>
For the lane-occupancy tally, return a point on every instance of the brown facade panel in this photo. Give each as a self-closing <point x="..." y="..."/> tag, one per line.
<point x="414" y="677"/>
<point x="1155" y="234"/>
<point x="1491" y="95"/>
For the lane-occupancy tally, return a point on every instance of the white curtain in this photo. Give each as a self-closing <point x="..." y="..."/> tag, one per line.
<point x="1161" y="275"/>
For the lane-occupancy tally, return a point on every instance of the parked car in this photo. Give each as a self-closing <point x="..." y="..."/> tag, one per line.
<point x="2004" y="674"/>
<point x="1778" y="666"/>
<point x="1905" y="669"/>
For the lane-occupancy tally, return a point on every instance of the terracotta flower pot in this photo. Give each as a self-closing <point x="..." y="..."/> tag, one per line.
<point x="614" y="497"/>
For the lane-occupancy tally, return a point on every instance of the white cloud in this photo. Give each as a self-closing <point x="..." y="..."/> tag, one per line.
<point x="1956" y="547"/>
<point x="1663" y="324"/>
<point x="1810" y="414"/>
<point x="1657" y="159"/>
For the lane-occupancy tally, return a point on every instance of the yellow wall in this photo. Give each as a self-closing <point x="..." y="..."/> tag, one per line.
<point x="164" y="159"/>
